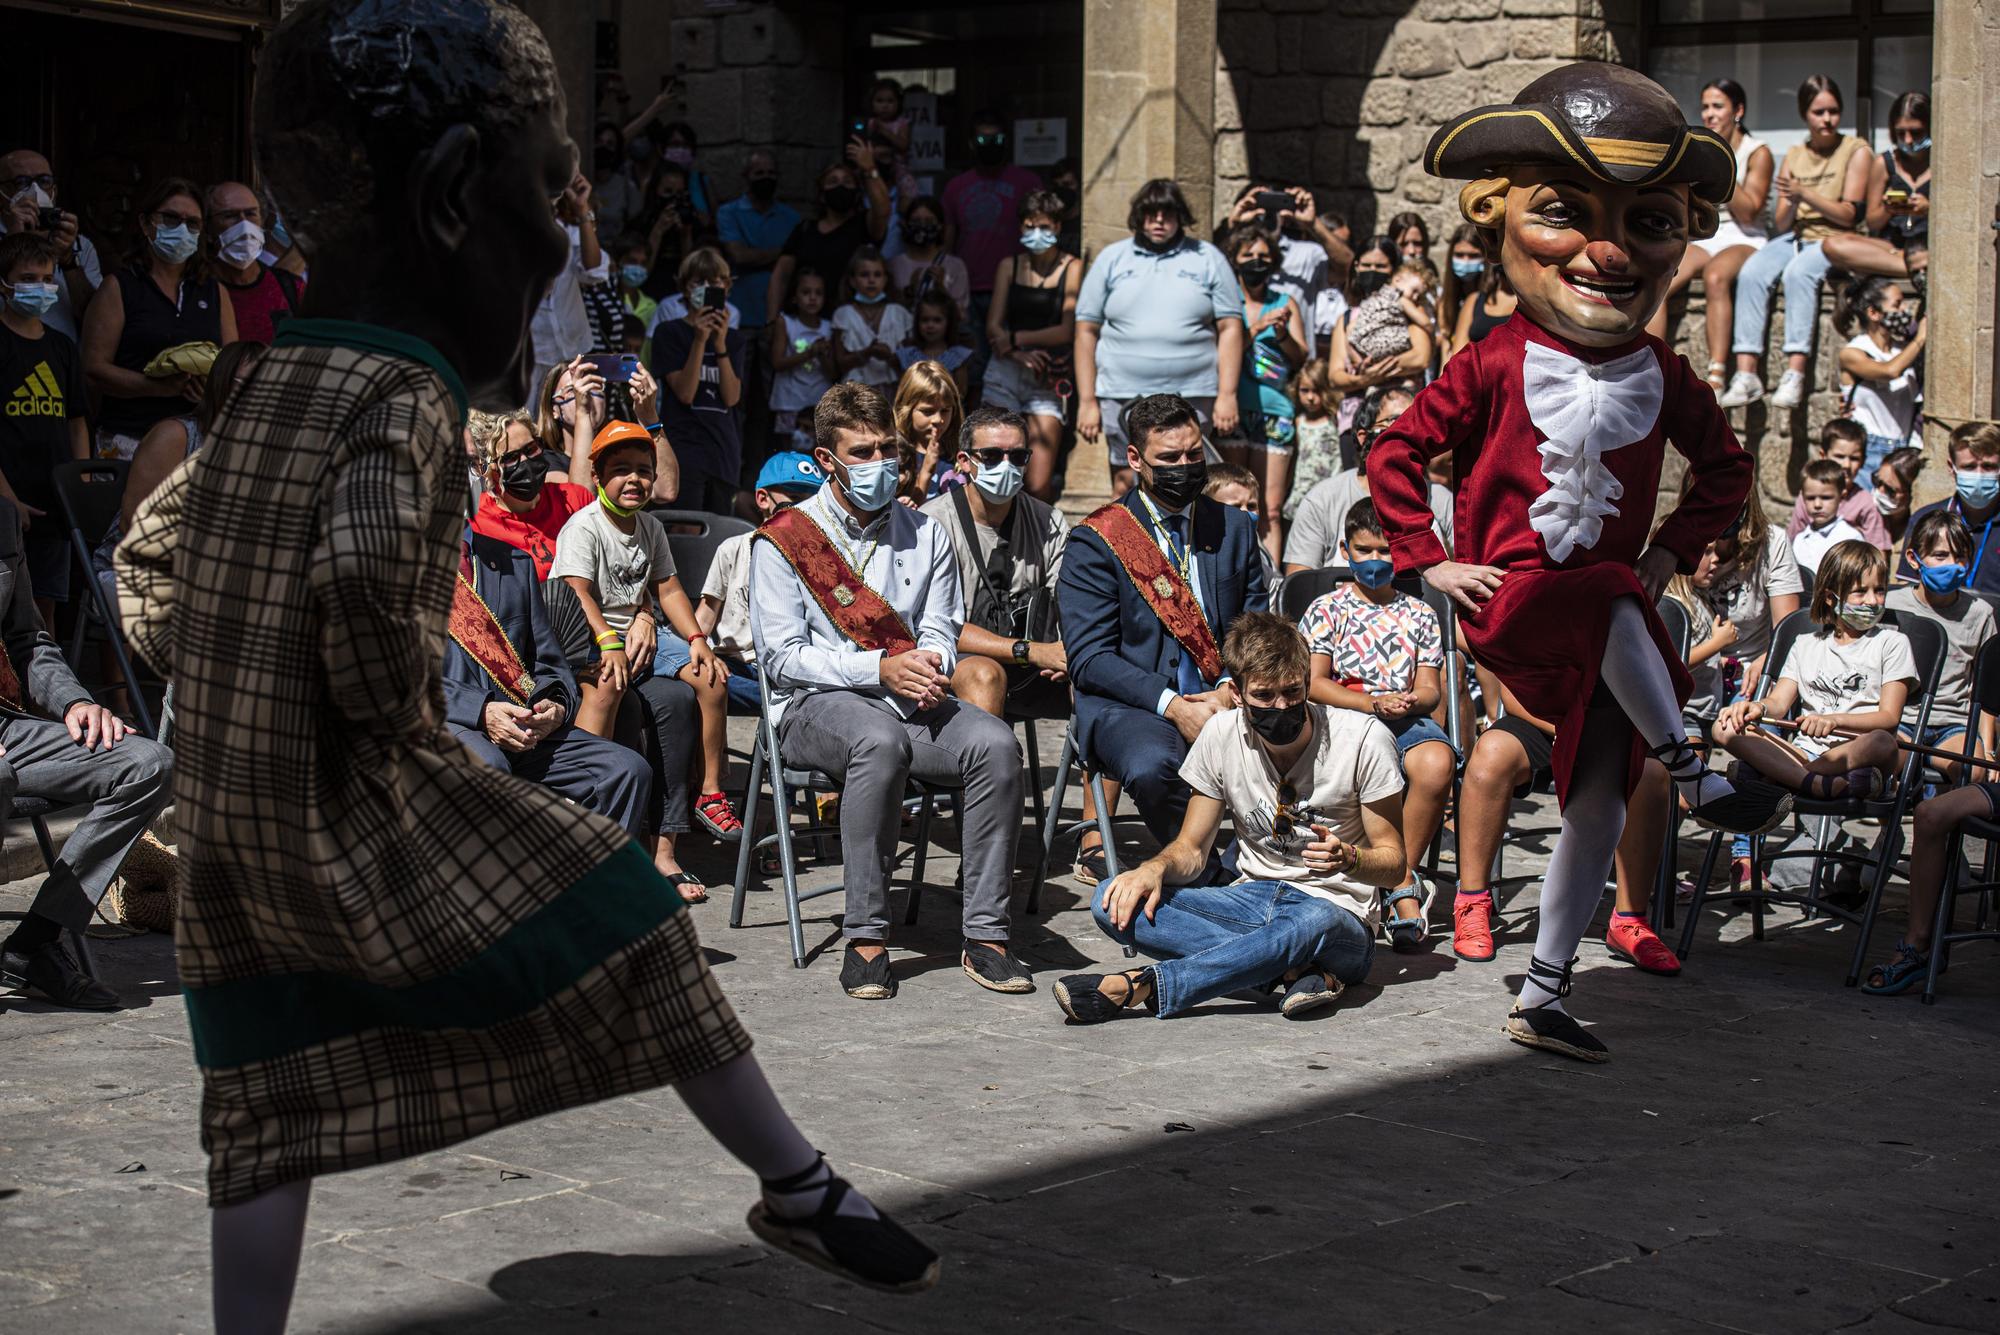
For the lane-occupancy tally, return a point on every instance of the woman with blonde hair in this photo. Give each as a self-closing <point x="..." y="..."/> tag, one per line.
<point x="927" y="412"/>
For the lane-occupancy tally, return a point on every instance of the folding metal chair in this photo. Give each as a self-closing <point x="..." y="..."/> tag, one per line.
<point x="693" y="536"/>
<point x="90" y="492"/>
<point x="1985" y="700"/>
<point x="36" y="812"/>
<point x="1927" y="647"/>
<point x="766" y="762"/>
<point x="1053" y="828"/>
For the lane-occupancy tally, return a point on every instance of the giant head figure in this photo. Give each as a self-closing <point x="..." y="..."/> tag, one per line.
<point x="1593" y="183"/>
<point x="415" y="148"/>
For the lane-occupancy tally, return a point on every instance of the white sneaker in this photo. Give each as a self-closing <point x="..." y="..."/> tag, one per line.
<point x="1744" y="389"/>
<point x="1791" y="389"/>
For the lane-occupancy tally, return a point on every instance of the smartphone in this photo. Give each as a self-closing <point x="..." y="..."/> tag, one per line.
<point x="615" y="367"/>
<point x="714" y="297"/>
<point x="1895" y="196"/>
<point x="1272" y="202"/>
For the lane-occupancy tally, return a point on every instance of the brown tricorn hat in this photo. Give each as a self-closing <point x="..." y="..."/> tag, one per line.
<point x="1610" y="122"/>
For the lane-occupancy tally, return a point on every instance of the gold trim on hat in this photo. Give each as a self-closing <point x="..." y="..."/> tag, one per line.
<point x="1627" y="152"/>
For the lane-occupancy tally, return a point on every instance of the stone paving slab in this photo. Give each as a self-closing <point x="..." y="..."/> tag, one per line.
<point x="1768" y="1151"/>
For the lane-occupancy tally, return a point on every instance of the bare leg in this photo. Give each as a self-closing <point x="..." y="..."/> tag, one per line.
<point x="1692" y="261"/>
<point x="599" y="710"/>
<point x="1044" y="448"/>
<point x="1645" y="830"/>
<point x="255" y="1249"/>
<point x="980" y="682"/>
<point x="1865" y="255"/>
<point x="1428" y="770"/>
<point x="1718" y="286"/>
<point x="1498" y="766"/>
<point x="1274" y="476"/>
<point x="1935" y="821"/>
<point x="712" y="698"/>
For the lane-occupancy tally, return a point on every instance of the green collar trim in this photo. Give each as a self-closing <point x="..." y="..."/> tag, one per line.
<point x="317" y="333"/>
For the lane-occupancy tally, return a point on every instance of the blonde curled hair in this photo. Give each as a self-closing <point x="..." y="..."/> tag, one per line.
<point x="1484" y="204"/>
<point x="489" y="434"/>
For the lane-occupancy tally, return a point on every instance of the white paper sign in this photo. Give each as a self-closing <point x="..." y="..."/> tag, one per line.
<point x="1041" y="143"/>
<point x="926" y="135"/>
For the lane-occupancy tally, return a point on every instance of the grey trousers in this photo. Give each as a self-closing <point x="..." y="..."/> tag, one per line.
<point x="127" y="785"/>
<point x="873" y="752"/>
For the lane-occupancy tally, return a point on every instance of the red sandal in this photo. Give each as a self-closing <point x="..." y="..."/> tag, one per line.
<point x="718" y="817"/>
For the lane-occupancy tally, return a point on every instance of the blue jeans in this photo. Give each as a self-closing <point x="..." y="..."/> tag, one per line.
<point x="1802" y="268"/>
<point x="1879" y="448"/>
<point x="1216" y="939"/>
<point x="1414" y="731"/>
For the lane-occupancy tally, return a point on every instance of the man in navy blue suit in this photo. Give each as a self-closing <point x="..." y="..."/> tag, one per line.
<point x="1149" y="586"/>
<point x="509" y="693"/>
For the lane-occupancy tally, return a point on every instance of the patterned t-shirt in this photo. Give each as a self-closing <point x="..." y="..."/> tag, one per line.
<point x="1378" y="645"/>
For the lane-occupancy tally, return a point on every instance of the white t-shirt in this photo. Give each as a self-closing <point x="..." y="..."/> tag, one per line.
<point x="1319" y="525"/>
<point x="1884" y="407"/>
<point x="1835" y="678"/>
<point x="1812" y="544"/>
<point x="728" y="583"/>
<point x="1350" y="760"/>
<point x="1327" y="310"/>
<point x="623" y="566"/>
<point x="1302" y="266"/>
<point x="1747" y="603"/>
<point x="798" y="388"/>
<point x="856" y="335"/>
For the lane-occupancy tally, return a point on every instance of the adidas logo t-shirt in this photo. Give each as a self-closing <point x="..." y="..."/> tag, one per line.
<point x="41" y="389"/>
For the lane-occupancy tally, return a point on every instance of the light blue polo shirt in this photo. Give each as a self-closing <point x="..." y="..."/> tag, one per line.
<point x="1158" y="315"/>
<point x="739" y="221"/>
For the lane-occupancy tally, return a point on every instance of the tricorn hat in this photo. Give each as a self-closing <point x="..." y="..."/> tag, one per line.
<point x="1610" y="122"/>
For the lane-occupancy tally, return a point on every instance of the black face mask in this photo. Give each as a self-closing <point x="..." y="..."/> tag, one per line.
<point x="1367" y="283"/>
<point x="840" y="198"/>
<point x="1280" y="725"/>
<point x="1151" y="247"/>
<point x="523" y="478"/>
<point x="989" y="150"/>
<point x="1256" y="273"/>
<point x="763" y="189"/>
<point x="1174" y="485"/>
<point x="923" y="231"/>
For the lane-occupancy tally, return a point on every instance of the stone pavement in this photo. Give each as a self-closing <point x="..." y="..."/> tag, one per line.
<point x="1766" y="1152"/>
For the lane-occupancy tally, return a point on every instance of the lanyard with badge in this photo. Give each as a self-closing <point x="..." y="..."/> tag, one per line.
<point x="1176" y="549"/>
<point x="1984" y="533"/>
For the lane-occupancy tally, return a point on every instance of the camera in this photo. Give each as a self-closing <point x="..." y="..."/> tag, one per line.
<point x="48" y="219"/>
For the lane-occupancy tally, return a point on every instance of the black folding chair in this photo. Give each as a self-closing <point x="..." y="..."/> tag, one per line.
<point x="90" y="492"/>
<point x="36" y="811"/>
<point x="1927" y="646"/>
<point x="1053" y="828"/>
<point x="1985" y="700"/>
<point x="693" y="536"/>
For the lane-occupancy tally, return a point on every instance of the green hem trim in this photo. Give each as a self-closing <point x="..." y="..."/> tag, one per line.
<point x="610" y="908"/>
<point x="320" y="333"/>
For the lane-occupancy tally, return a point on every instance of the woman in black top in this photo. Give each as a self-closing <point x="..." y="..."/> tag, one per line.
<point x="1899" y="201"/>
<point x="853" y="212"/>
<point x="1490" y="306"/>
<point x="162" y="297"/>
<point x="1030" y="331"/>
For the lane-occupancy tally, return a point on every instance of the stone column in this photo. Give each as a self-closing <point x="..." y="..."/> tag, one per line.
<point x="1961" y="374"/>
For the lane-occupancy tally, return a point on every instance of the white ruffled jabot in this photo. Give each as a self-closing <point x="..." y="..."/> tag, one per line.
<point x="1586" y="411"/>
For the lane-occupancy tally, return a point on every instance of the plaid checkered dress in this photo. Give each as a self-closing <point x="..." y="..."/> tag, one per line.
<point x="386" y="946"/>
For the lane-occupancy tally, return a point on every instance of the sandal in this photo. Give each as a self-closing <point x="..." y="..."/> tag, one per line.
<point x="681" y="880"/>
<point x="877" y="1253"/>
<point x="1546" y="1027"/>
<point x="1406" y="934"/>
<point x="718" y="815"/>
<point x="1717" y="377"/>
<point x="1902" y="972"/>
<point x="1091" y="868"/>
<point x="1082" y="1001"/>
<point x="1309" y="992"/>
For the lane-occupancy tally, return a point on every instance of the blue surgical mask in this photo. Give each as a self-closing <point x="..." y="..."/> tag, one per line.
<point x="875" y="300"/>
<point x="1978" y="490"/>
<point x="1373" y="574"/>
<point x="871" y="485"/>
<point x="1916" y="146"/>
<point x="281" y="236"/>
<point x="1861" y="616"/>
<point x="1948" y="578"/>
<point x="1468" y="269"/>
<point x="1001" y="481"/>
<point x="1038" y="239"/>
<point x="176" y="244"/>
<point x="33" y="299"/>
<point x="635" y="275"/>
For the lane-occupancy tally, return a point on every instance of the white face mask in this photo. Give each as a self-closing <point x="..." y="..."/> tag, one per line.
<point x="1001" y="482"/>
<point x="1884" y="502"/>
<point x="240" y="244"/>
<point x="34" y="193"/>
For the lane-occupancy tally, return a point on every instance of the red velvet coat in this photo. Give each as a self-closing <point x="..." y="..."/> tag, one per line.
<point x="1543" y="632"/>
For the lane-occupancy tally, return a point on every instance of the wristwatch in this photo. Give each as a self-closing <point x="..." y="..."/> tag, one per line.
<point x="1021" y="652"/>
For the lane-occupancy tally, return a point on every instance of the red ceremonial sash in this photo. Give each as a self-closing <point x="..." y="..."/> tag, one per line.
<point x="10" y="682"/>
<point x="476" y="630"/>
<point x="856" y="611"/>
<point x="1158" y="583"/>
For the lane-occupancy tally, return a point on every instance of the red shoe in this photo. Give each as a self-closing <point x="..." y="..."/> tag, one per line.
<point x="1472" y="928"/>
<point x="1634" y="941"/>
<point x="715" y="811"/>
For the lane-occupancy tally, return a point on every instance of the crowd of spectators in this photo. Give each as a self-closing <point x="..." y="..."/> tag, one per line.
<point x="907" y="358"/>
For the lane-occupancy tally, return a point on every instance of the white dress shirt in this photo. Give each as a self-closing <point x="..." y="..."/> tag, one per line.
<point x="1158" y="514"/>
<point x="908" y="560"/>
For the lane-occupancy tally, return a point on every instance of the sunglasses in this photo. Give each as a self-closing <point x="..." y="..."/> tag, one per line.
<point x="995" y="457"/>
<point x="1282" y="824"/>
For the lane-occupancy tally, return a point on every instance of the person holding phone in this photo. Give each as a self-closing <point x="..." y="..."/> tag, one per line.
<point x="1898" y="243"/>
<point x="699" y="360"/>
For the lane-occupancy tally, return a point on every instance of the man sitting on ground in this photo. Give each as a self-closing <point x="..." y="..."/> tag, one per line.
<point x="1150" y="584"/>
<point x="1315" y="796"/>
<point x="509" y="694"/>
<point x="856" y="612"/>
<point x="89" y="756"/>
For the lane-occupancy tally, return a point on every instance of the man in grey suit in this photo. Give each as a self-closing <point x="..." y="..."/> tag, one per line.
<point x="89" y="756"/>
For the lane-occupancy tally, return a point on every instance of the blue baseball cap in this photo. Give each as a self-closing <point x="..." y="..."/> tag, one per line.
<point x="790" y="471"/>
